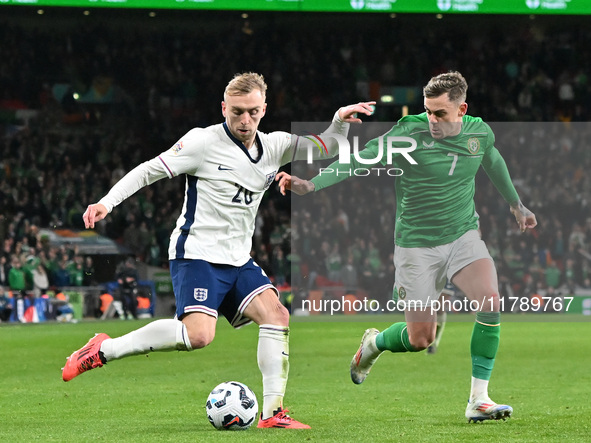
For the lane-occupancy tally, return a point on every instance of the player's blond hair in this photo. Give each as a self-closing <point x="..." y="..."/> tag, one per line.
<point x="245" y="83"/>
<point x="451" y="82"/>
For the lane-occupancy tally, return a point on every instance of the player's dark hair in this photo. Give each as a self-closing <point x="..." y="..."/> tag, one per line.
<point x="451" y="82"/>
<point x="245" y="83"/>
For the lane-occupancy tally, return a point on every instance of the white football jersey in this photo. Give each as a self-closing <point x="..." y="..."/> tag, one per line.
<point x="224" y="187"/>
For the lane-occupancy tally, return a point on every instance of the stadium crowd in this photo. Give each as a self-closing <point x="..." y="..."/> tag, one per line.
<point x="164" y="79"/>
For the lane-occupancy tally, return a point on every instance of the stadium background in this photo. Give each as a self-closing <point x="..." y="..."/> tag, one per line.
<point x="145" y="80"/>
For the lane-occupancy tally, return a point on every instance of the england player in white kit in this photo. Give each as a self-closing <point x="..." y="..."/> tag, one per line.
<point x="228" y="167"/>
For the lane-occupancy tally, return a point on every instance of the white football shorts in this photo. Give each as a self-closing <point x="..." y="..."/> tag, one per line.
<point x="421" y="273"/>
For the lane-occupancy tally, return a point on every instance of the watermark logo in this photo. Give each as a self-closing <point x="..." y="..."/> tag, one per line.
<point x="319" y="143"/>
<point x="394" y="145"/>
<point x="390" y="150"/>
<point x="387" y="148"/>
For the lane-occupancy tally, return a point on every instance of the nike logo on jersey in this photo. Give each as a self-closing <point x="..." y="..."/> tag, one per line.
<point x="221" y="168"/>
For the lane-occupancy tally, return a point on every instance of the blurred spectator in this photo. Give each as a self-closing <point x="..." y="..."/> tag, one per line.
<point x="6" y="305"/>
<point x="154" y="253"/>
<point x="349" y="276"/>
<point x="279" y="266"/>
<point x="16" y="276"/>
<point x="553" y="275"/>
<point x="536" y="271"/>
<point x="143" y="306"/>
<point x="63" y="308"/>
<point x="105" y="300"/>
<point x="4" y="270"/>
<point x="127" y="277"/>
<point x="30" y="262"/>
<point x="61" y="277"/>
<point x="76" y="271"/>
<point x="51" y="264"/>
<point x="40" y="280"/>
<point x="263" y="260"/>
<point x="570" y="275"/>
<point x="88" y="278"/>
<point x="295" y="267"/>
<point x="276" y="237"/>
<point x="559" y="247"/>
<point x="334" y="263"/>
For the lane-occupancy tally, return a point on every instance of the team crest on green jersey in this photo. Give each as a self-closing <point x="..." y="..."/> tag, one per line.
<point x="402" y="293"/>
<point x="473" y="145"/>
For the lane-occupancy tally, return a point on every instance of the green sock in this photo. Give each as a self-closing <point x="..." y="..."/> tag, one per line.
<point x="485" y="343"/>
<point x="394" y="339"/>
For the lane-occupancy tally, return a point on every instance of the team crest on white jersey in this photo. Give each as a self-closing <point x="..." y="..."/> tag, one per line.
<point x="177" y="147"/>
<point x="269" y="179"/>
<point x="200" y="294"/>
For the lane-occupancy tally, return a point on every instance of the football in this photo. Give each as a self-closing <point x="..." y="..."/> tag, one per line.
<point x="231" y="405"/>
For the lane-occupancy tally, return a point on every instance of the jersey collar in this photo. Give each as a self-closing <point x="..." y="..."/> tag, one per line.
<point x="241" y="145"/>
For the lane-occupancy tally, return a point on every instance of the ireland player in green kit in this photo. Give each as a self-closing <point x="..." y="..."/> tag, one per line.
<point x="436" y="233"/>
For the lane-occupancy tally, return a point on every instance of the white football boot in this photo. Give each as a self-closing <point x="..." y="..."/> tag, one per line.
<point x="486" y="409"/>
<point x="365" y="357"/>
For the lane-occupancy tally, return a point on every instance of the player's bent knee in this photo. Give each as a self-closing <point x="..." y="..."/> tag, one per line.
<point x="200" y="329"/>
<point x="491" y="303"/>
<point x="283" y="315"/>
<point x="200" y="340"/>
<point x="200" y="336"/>
<point x="276" y="314"/>
<point x="267" y="309"/>
<point x="420" y="344"/>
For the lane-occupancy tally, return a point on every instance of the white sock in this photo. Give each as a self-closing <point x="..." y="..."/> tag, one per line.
<point x="273" y="359"/>
<point x="373" y="348"/>
<point x="479" y="389"/>
<point x="160" y="335"/>
<point x="441" y="319"/>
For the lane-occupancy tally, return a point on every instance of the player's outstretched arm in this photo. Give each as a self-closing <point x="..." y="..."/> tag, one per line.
<point x="140" y="176"/>
<point x="496" y="168"/>
<point x="348" y="114"/>
<point x="293" y="184"/>
<point x="525" y="218"/>
<point x="303" y="146"/>
<point x="93" y="214"/>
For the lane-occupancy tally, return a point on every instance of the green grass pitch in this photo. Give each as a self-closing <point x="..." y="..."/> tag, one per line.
<point x="543" y="370"/>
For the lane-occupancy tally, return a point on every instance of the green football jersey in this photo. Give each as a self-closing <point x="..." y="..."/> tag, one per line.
<point x="435" y="197"/>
